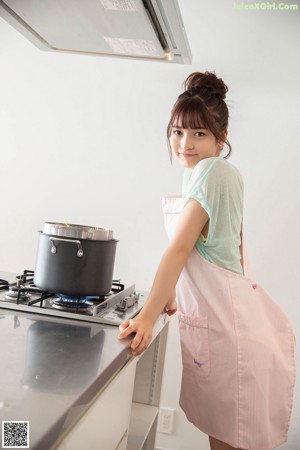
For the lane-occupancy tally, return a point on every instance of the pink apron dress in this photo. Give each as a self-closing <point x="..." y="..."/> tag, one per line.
<point x="237" y="353"/>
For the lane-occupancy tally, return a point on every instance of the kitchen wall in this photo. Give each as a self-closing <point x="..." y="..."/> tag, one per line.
<point x="82" y="139"/>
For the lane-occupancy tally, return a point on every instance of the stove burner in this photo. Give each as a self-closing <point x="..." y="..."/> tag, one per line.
<point x="15" y="292"/>
<point x="112" y="308"/>
<point x="71" y="303"/>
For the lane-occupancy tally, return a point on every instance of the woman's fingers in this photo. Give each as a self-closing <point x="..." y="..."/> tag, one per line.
<point x="171" y="305"/>
<point x="139" y="343"/>
<point x="170" y="312"/>
<point x="126" y="328"/>
<point x="142" y="331"/>
<point x="123" y="327"/>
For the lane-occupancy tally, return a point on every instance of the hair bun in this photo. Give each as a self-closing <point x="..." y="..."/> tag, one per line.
<point x="205" y="84"/>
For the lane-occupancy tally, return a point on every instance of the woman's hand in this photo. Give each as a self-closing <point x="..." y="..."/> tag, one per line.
<point x="143" y="333"/>
<point x="171" y="307"/>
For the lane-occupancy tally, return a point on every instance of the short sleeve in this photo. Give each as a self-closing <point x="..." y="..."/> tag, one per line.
<point x="198" y="184"/>
<point x="218" y="186"/>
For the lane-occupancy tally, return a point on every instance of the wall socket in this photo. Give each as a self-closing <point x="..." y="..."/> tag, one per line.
<point x="165" y="420"/>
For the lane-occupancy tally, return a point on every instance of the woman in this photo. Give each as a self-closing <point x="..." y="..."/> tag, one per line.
<point x="238" y="368"/>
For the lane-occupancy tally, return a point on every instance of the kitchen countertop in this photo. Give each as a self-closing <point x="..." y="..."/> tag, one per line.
<point x="52" y="368"/>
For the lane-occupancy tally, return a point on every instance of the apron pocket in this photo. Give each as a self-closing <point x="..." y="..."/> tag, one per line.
<point x="194" y="343"/>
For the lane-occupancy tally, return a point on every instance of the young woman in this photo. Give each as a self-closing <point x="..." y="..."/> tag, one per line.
<point x="238" y="368"/>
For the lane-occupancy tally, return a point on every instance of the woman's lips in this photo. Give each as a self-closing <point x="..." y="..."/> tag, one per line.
<point x="186" y="155"/>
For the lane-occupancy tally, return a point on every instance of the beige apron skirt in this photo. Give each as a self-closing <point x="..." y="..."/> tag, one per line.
<point x="237" y="352"/>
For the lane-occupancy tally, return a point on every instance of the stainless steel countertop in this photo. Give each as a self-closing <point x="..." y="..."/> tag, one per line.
<point x="51" y="369"/>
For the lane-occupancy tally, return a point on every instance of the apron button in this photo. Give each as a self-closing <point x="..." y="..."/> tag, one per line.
<point x="254" y="286"/>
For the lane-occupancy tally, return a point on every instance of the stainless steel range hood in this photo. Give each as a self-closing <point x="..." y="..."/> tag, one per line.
<point x="140" y="29"/>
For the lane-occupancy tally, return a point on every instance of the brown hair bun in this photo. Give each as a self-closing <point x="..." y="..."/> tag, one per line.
<point x="205" y="84"/>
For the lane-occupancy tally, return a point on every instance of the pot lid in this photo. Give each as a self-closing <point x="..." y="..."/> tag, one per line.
<point x="77" y="231"/>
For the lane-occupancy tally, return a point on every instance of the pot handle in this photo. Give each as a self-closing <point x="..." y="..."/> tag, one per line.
<point x="75" y="241"/>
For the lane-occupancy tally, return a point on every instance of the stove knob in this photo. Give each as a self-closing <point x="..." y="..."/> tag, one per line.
<point x="136" y="295"/>
<point x="122" y="305"/>
<point x="128" y="301"/>
<point x="131" y="300"/>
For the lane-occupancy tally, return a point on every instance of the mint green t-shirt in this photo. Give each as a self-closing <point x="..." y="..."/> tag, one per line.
<point x="218" y="186"/>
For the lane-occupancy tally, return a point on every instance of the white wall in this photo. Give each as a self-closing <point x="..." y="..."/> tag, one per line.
<point x="83" y="139"/>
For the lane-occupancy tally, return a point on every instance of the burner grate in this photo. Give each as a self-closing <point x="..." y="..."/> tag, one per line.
<point x="3" y="284"/>
<point x="26" y="277"/>
<point x="112" y="308"/>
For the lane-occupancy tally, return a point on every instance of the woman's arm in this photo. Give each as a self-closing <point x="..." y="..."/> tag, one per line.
<point x="190" y="224"/>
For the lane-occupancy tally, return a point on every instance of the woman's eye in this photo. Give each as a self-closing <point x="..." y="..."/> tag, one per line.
<point x="199" y="133"/>
<point x="177" y="132"/>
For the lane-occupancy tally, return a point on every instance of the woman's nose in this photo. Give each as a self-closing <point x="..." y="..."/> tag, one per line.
<point x="186" y="143"/>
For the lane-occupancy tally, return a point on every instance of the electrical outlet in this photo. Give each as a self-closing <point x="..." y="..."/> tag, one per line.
<point x="165" y="420"/>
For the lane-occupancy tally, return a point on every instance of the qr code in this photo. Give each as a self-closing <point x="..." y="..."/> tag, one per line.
<point x="15" y="434"/>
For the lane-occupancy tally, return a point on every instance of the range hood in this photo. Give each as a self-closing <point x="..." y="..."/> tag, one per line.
<point x="140" y="29"/>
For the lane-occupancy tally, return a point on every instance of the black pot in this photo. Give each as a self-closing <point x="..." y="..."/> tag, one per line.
<point x="78" y="267"/>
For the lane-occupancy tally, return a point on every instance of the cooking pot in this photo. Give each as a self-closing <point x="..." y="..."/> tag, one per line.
<point x="74" y="266"/>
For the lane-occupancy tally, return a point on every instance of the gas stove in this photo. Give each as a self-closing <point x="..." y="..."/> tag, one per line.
<point x="121" y="303"/>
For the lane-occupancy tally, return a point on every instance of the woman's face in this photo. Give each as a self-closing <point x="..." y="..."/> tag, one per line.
<point x="192" y="145"/>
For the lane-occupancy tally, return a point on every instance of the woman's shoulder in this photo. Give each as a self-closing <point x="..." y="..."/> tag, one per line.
<point x="216" y="167"/>
<point x="214" y="172"/>
<point x="222" y="169"/>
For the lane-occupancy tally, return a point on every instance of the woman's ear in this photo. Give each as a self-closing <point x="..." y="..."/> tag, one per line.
<point x="221" y="143"/>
